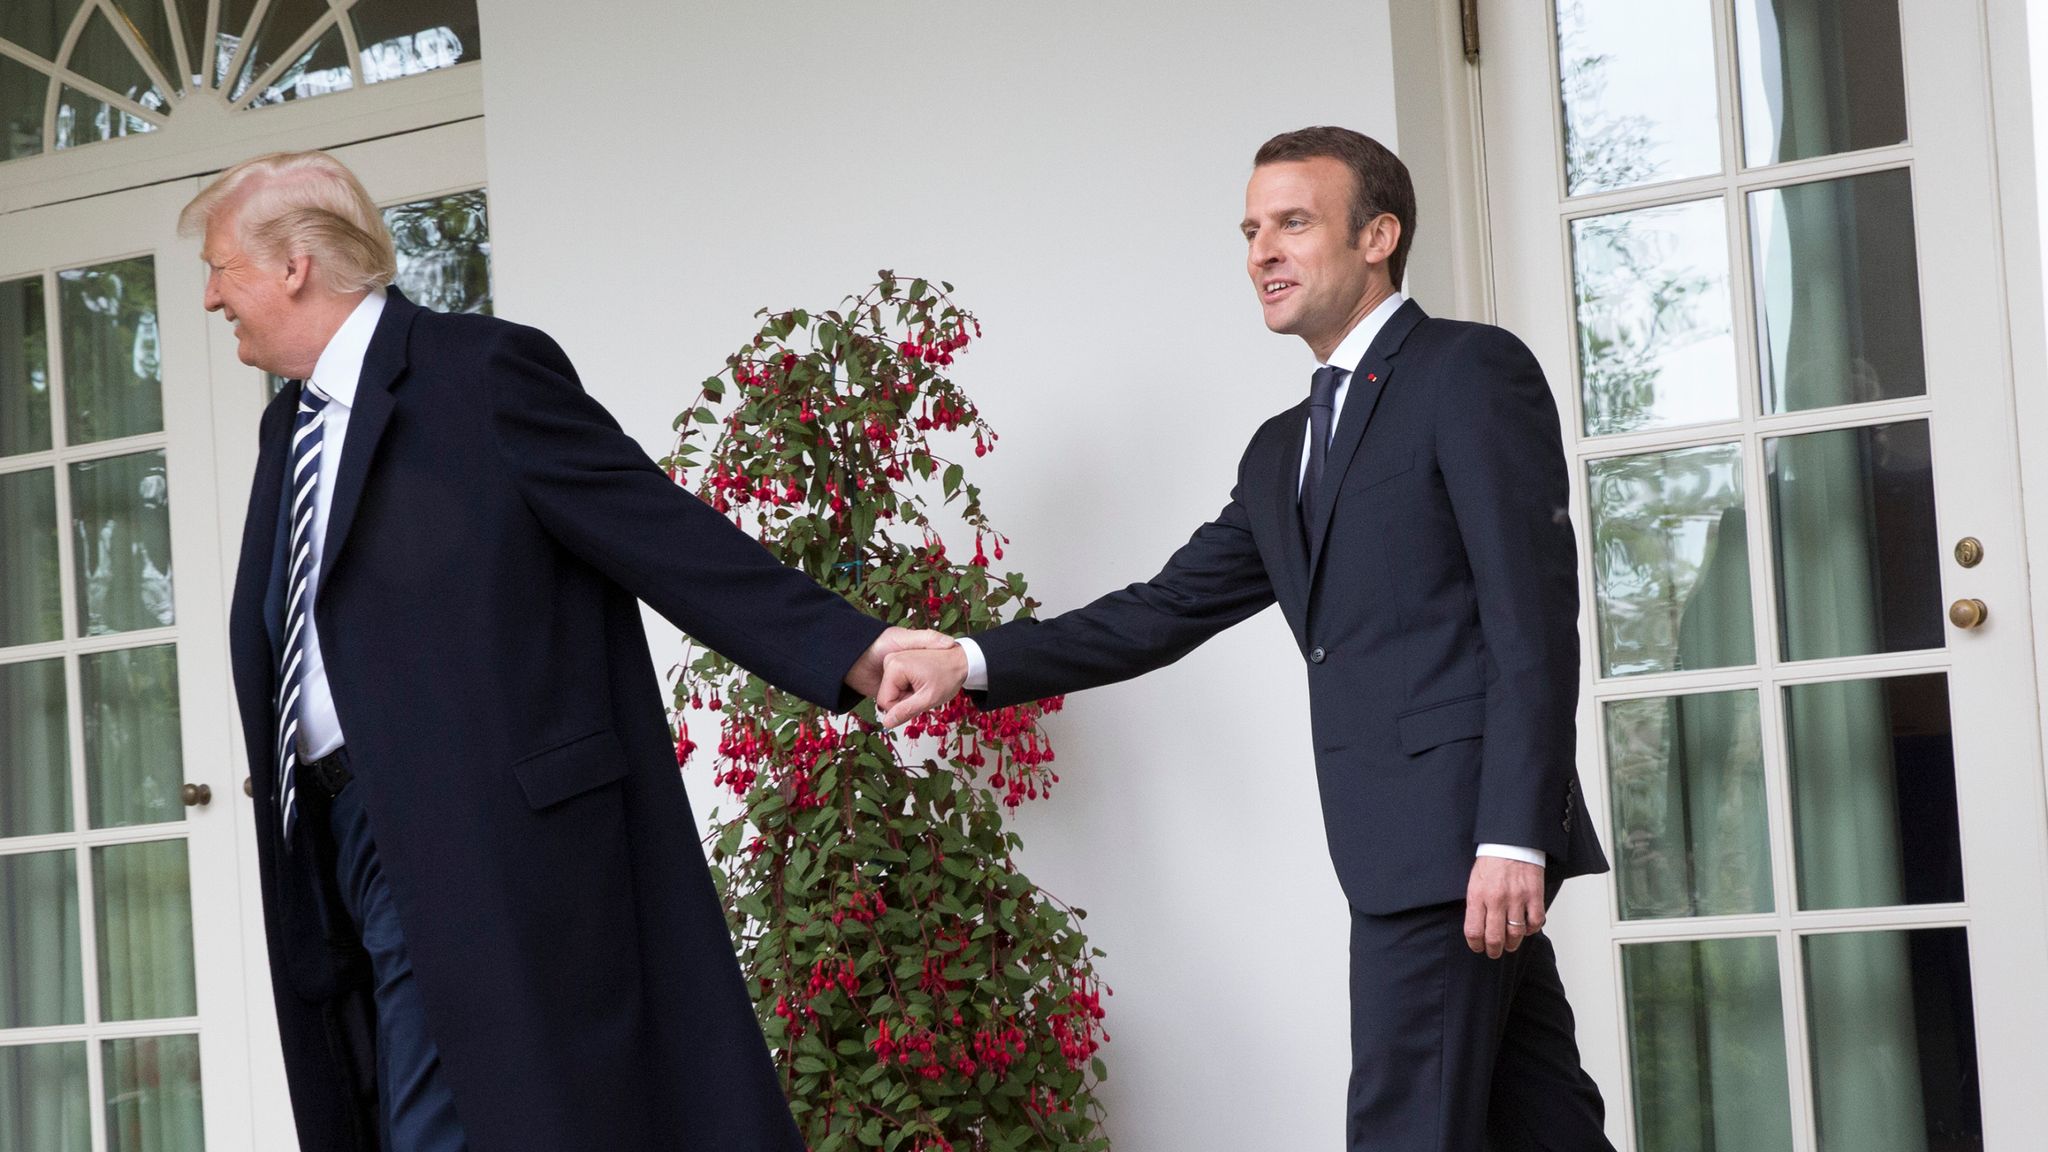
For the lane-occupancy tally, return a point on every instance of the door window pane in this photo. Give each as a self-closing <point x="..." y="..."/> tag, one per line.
<point x="1873" y="792"/>
<point x="31" y="607"/>
<point x="22" y="92"/>
<point x="1819" y="77"/>
<point x="152" y="26"/>
<point x="1838" y="292"/>
<point x="444" y="251"/>
<point x="121" y="532"/>
<point x="83" y="119"/>
<point x="143" y="899"/>
<point x="322" y="68"/>
<point x="112" y="376"/>
<point x="408" y="37"/>
<point x="283" y="23"/>
<point x="1637" y="83"/>
<point x="1894" y="1043"/>
<point x="1656" y="342"/>
<point x="153" y="1098"/>
<point x="44" y="1102"/>
<point x="37" y="25"/>
<point x="41" y="980"/>
<point x="1707" y="1045"/>
<point x="134" y="762"/>
<point x="35" y="751"/>
<point x="1852" y="530"/>
<point x="1691" y="836"/>
<point x="1671" y="561"/>
<point x="102" y="57"/>
<point x="24" y="368"/>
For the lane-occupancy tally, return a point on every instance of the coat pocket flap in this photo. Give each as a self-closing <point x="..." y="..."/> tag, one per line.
<point x="1425" y="728"/>
<point x="570" y="769"/>
<point x="1375" y="471"/>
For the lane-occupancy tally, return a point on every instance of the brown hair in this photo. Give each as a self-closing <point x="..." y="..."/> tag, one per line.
<point x="1380" y="182"/>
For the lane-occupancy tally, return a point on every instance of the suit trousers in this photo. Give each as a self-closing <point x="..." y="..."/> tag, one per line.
<point x="1455" y="1052"/>
<point x="416" y="1108"/>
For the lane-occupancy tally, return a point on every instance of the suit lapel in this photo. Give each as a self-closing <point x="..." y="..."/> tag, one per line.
<point x="1286" y="483"/>
<point x="1368" y="383"/>
<point x="383" y="366"/>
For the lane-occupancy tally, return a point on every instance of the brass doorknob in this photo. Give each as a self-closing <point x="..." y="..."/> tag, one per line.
<point x="196" y="795"/>
<point x="248" y="786"/>
<point x="1968" y="613"/>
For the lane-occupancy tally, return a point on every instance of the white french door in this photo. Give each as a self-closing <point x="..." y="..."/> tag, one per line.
<point x="121" y="963"/>
<point x="1754" y="245"/>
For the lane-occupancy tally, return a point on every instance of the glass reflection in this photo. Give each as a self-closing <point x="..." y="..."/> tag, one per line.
<point x="1873" y="776"/>
<point x="37" y="25"/>
<point x="407" y="37"/>
<point x="143" y="910"/>
<point x="1707" y="1045"/>
<point x="113" y="373"/>
<point x="1691" y="836"/>
<point x="41" y="980"/>
<point x="22" y="93"/>
<point x="444" y="252"/>
<point x="1656" y="339"/>
<point x="24" y="368"/>
<point x="35" y="750"/>
<point x="1852" y="526"/>
<point x="121" y="543"/>
<point x="45" y="1103"/>
<point x="1838" y="292"/>
<point x="1819" y="77"/>
<point x="284" y="21"/>
<point x="153" y="1095"/>
<point x="1637" y="82"/>
<point x="1893" y="1040"/>
<point x="1671" y="561"/>
<point x="134" y="750"/>
<point x="31" y="605"/>
<point x="319" y="70"/>
<point x="83" y="119"/>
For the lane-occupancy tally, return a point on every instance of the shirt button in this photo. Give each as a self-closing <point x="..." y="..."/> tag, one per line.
<point x="1316" y="657"/>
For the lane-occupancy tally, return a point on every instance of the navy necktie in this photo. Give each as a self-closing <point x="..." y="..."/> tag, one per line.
<point x="1322" y="411"/>
<point x="303" y="483"/>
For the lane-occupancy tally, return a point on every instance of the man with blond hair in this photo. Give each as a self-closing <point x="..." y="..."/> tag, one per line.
<point x="490" y="926"/>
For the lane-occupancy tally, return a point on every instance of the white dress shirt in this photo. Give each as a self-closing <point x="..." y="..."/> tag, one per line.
<point x="1349" y="352"/>
<point x="335" y="375"/>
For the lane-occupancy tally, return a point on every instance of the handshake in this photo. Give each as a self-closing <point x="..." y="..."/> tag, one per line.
<point x="909" y="672"/>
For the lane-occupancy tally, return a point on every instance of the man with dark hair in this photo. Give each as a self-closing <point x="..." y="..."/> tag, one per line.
<point x="1410" y="519"/>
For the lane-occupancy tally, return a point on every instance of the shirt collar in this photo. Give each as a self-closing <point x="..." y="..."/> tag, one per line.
<point x="341" y="363"/>
<point x="1358" y="341"/>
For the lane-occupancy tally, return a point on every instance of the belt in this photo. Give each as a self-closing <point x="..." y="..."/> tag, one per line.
<point x="328" y="775"/>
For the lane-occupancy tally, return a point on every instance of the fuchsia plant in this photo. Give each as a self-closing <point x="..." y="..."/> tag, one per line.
<point x="918" y="991"/>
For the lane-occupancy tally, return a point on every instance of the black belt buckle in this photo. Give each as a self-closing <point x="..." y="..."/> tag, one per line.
<point x="328" y="775"/>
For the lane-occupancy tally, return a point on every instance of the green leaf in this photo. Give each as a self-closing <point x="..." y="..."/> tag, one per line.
<point x="954" y="474"/>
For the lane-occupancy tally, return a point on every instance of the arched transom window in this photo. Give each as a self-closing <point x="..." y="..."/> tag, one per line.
<point x="77" y="72"/>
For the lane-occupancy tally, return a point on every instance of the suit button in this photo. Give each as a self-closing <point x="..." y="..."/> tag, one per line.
<point x="1316" y="657"/>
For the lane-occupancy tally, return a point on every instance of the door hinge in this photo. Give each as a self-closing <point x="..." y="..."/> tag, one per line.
<point x="1469" y="11"/>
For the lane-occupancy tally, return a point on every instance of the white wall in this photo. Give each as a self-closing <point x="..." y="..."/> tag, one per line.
<point x="660" y="170"/>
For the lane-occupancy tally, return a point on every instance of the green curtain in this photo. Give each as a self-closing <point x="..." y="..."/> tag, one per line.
<point x="1845" y="818"/>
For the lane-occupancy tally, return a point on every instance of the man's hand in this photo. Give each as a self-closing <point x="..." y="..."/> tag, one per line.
<point x="865" y="677"/>
<point x="1503" y="904"/>
<point x="915" y="681"/>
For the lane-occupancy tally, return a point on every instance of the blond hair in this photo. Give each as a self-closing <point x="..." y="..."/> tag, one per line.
<point x="301" y="203"/>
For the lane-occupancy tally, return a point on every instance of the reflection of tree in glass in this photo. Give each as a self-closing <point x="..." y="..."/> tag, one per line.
<point x="112" y="366"/>
<point x="1656" y="524"/>
<point x="444" y="252"/>
<point x="1634" y="302"/>
<point x="1601" y="149"/>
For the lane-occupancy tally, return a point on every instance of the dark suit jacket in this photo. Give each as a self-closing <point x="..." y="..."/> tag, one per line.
<point x="1435" y="605"/>
<point x="491" y="528"/>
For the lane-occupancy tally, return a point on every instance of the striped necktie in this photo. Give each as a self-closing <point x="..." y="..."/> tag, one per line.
<point x="298" y="610"/>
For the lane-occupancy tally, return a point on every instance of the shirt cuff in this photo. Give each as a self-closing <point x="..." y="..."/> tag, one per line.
<point x="1534" y="856"/>
<point x="977" y="665"/>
